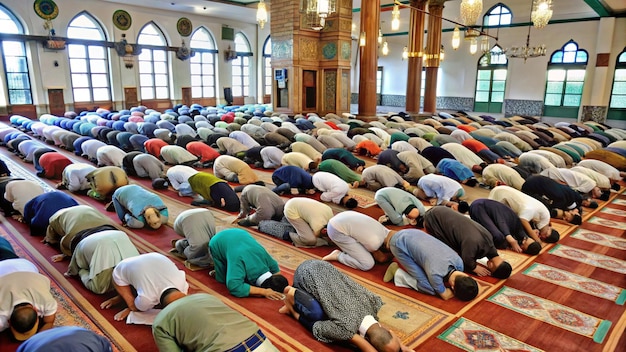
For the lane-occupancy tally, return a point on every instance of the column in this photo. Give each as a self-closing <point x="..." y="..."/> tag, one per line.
<point x="370" y="20"/>
<point x="433" y="47"/>
<point x="416" y="45"/>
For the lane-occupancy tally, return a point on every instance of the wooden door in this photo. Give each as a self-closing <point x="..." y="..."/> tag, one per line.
<point x="309" y="90"/>
<point x="130" y="97"/>
<point x="186" y="96"/>
<point x="56" y="102"/>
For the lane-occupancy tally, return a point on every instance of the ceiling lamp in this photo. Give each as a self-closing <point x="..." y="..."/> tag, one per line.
<point x="380" y="36"/>
<point x="362" y="40"/>
<point x="317" y="11"/>
<point x="395" y="18"/>
<point x="456" y="38"/>
<point x="442" y="53"/>
<point x="525" y="52"/>
<point x="261" y="14"/>
<point x="470" y="11"/>
<point x="473" y="46"/>
<point x="541" y="13"/>
<point x="405" y="53"/>
<point x="385" y="49"/>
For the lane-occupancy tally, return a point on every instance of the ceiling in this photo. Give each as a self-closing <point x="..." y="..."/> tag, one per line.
<point x="245" y="10"/>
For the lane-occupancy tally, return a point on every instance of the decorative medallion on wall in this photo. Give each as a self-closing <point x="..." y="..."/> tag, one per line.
<point x="46" y="9"/>
<point x="122" y="20"/>
<point x="346" y="48"/>
<point x="329" y="51"/>
<point x="184" y="26"/>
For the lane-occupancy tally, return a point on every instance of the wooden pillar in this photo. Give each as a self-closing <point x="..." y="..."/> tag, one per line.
<point x="370" y="20"/>
<point x="416" y="43"/>
<point x="433" y="47"/>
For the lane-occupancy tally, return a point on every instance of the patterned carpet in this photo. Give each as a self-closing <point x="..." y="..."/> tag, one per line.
<point x="570" y="297"/>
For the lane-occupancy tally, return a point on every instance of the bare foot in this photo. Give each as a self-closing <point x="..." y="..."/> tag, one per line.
<point x="223" y="202"/>
<point x="58" y="258"/>
<point x="333" y="256"/>
<point x="111" y="302"/>
<point x="121" y="315"/>
<point x="18" y="217"/>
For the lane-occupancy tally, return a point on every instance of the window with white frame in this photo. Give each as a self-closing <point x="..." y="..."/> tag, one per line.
<point x="565" y="81"/>
<point x="267" y="66"/>
<point x="203" y="64"/>
<point x="498" y="15"/>
<point x="379" y="80"/>
<point x="15" y="61"/>
<point x="89" y="64"/>
<point x="241" y="67"/>
<point x="153" y="64"/>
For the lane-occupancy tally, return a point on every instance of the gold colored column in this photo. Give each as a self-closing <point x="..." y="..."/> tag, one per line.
<point x="416" y="43"/>
<point x="370" y="19"/>
<point x="433" y="47"/>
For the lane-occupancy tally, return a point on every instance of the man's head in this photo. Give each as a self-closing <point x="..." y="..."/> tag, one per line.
<point x="549" y="235"/>
<point x="411" y="212"/>
<point x="153" y="218"/>
<point x="464" y="287"/>
<point x="23" y="321"/>
<point x="313" y="166"/>
<point x="382" y="339"/>
<point x="159" y="183"/>
<point x="499" y="268"/>
<point x="276" y="282"/>
<point x="419" y="193"/>
<point x="572" y="217"/>
<point x="350" y="203"/>
<point x="530" y="246"/>
<point x="463" y="207"/>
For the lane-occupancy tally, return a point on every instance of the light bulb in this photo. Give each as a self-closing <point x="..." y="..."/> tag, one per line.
<point x="405" y="53"/>
<point x="473" y="46"/>
<point x="385" y="49"/>
<point x="395" y="18"/>
<point x="362" y="39"/>
<point x="456" y="38"/>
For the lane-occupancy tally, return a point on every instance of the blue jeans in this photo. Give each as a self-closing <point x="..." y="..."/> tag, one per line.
<point x="309" y="309"/>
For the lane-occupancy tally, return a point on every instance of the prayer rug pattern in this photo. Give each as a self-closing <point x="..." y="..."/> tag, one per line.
<point x="608" y="223"/>
<point x="619" y="201"/>
<point x="590" y="258"/>
<point x="471" y="336"/>
<point x="577" y="282"/>
<point x="613" y="211"/>
<point x="552" y="313"/>
<point x="599" y="238"/>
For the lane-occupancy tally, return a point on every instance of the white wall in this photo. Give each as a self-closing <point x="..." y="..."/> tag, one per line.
<point x="45" y="75"/>
<point x="526" y="81"/>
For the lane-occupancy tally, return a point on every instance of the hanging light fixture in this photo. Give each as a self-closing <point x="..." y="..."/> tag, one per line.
<point x="395" y="18"/>
<point x="442" y="54"/>
<point x="385" y="49"/>
<point x="473" y="46"/>
<point x="380" y="36"/>
<point x="470" y="11"/>
<point x="362" y="39"/>
<point x="317" y="11"/>
<point x="405" y="53"/>
<point x="541" y="13"/>
<point x="261" y="14"/>
<point x="456" y="38"/>
<point x="525" y="52"/>
<point x="484" y="44"/>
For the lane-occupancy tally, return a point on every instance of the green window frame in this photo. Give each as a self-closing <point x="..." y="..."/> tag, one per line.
<point x="491" y="81"/>
<point x="17" y="74"/>
<point x="565" y="80"/>
<point x="498" y="15"/>
<point x="617" y="104"/>
<point x="202" y="64"/>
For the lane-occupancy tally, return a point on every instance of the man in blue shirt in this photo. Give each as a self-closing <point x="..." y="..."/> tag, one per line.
<point x="428" y="265"/>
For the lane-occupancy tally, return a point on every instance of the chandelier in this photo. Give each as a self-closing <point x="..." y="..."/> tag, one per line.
<point x="541" y="13"/>
<point x="261" y="14"/>
<point x="317" y="11"/>
<point x="525" y="52"/>
<point x="470" y="11"/>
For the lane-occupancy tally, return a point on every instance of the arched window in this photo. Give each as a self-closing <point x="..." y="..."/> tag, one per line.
<point x="498" y="15"/>
<point x="617" y="106"/>
<point x="15" y="61"/>
<point x="491" y="81"/>
<point x="566" y="77"/>
<point x="89" y="64"/>
<point x="203" y="64"/>
<point x="241" y="67"/>
<point x="267" y="66"/>
<point x="153" y="64"/>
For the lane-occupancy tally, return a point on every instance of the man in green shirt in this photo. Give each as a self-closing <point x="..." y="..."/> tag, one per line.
<point x="201" y="322"/>
<point x="245" y="266"/>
